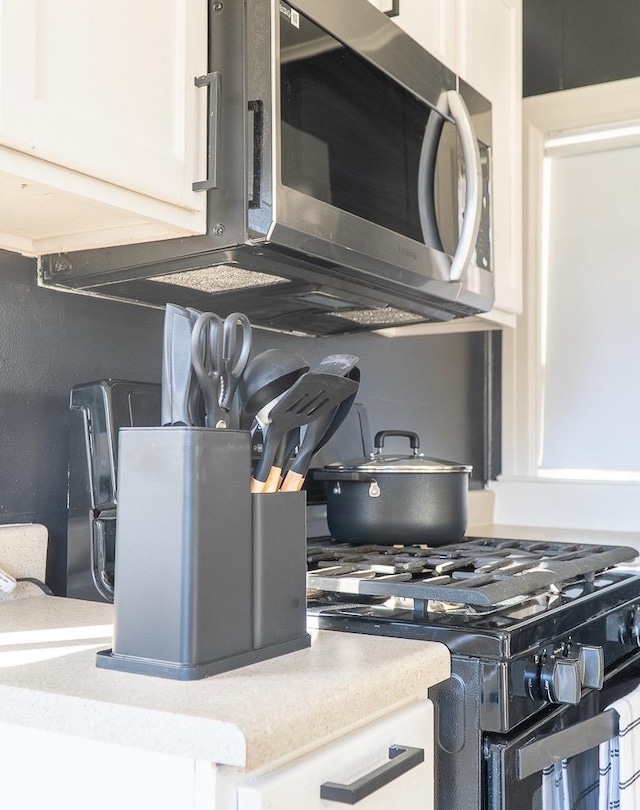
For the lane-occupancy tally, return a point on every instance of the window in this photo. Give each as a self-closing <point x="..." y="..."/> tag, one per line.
<point x="571" y="377"/>
<point x="589" y="303"/>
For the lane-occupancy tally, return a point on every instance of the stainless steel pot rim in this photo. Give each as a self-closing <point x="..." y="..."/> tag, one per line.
<point x="398" y="464"/>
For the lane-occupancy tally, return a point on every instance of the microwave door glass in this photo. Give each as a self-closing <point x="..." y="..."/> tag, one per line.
<point x="351" y="136"/>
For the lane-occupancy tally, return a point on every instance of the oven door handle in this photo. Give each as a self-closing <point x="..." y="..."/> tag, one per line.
<point x="569" y="742"/>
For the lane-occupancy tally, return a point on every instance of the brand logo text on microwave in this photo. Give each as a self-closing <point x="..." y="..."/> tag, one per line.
<point x="291" y="14"/>
<point x="408" y="252"/>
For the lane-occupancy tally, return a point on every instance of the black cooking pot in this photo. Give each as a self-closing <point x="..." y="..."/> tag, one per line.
<point x="396" y="499"/>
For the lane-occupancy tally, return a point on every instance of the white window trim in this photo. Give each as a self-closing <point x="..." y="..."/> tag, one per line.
<point x="523" y="496"/>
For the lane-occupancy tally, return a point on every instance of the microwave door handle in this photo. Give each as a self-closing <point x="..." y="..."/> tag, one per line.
<point x="440" y="261"/>
<point x="426" y="182"/>
<point x="473" y="193"/>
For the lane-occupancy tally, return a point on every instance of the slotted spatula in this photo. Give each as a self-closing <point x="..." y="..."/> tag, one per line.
<point x="316" y="436"/>
<point x="342" y="365"/>
<point x="311" y="397"/>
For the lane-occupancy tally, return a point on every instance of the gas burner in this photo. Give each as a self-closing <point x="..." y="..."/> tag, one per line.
<point x="478" y="572"/>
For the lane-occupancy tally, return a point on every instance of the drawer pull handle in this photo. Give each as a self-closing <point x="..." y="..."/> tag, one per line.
<point x="401" y="759"/>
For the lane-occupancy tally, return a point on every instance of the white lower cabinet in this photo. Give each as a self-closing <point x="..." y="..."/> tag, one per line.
<point x="54" y="769"/>
<point x="57" y="770"/>
<point x="351" y="761"/>
<point x="50" y="768"/>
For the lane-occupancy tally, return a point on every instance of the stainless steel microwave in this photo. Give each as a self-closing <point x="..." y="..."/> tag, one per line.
<point x="348" y="188"/>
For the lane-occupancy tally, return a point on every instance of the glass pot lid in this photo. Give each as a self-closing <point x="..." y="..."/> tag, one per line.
<point x="414" y="462"/>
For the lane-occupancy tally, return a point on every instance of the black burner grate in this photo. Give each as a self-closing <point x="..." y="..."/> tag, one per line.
<point x="477" y="571"/>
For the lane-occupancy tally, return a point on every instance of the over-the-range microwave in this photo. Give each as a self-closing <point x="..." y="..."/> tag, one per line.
<point x="349" y="181"/>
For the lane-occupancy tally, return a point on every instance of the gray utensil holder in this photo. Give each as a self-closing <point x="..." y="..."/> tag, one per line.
<point x="279" y="569"/>
<point x="185" y="575"/>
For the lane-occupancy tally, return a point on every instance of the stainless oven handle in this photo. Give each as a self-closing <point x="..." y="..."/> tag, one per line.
<point x="473" y="193"/>
<point x="551" y="748"/>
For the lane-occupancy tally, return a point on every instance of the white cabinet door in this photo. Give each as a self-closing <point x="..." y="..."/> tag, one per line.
<point x="432" y="24"/>
<point x="48" y="769"/>
<point x="490" y="59"/>
<point x="352" y="758"/>
<point x="102" y="129"/>
<point x="107" y="88"/>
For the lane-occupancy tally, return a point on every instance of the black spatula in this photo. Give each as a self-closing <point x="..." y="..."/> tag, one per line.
<point x="311" y="397"/>
<point x="316" y="436"/>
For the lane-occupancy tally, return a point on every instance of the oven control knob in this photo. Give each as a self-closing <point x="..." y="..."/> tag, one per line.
<point x="591" y="666"/>
<point x="633" y="627"/>
<point x="560" y="680"/>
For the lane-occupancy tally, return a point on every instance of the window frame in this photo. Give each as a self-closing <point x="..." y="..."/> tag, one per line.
<point x="523" y="495"/>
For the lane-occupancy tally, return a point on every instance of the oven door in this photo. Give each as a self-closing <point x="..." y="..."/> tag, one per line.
<point x="553" y="764"/>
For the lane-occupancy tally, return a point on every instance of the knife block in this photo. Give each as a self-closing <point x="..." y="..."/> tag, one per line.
<point x="191" y="554"/>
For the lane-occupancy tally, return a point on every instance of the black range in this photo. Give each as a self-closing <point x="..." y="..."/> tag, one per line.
<point x="543" y="635"/>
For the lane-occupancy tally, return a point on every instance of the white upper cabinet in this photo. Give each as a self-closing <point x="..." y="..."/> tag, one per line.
<point x="102" y="129"/>
<point x="481" y="40"/>
<point x="490" y="59"/>
<point x="432" y="24"/>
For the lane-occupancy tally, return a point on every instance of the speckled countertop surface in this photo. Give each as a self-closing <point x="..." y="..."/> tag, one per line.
<point x="246" y="718"/>
<point x="548" y="533"/>
<point x="23" y="553"/>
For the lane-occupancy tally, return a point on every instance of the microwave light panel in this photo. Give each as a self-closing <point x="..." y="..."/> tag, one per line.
<point x="323" y="299"/>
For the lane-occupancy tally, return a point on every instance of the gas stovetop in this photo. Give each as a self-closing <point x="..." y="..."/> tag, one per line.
<point x="476" y="572"/>
<point x="481" y="596"/>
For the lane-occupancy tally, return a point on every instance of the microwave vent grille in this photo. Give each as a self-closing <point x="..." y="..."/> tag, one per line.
<point x="221" y="278"/>
<point x="385" y="316"/>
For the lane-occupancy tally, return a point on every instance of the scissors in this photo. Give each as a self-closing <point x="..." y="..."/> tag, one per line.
<point x="219" y="354"/>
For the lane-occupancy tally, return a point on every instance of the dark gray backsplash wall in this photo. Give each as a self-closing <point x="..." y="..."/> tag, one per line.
<point x="431" y="385"/>
<point x="573" y="43"/>
<point x="51" y="341"/>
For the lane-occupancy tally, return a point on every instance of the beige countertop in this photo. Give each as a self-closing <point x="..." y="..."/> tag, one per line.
<point x="265" y="713"/>
<point x="551" y="534"/>
<point x="246" y="718"/>
<point x="23" y="553"/>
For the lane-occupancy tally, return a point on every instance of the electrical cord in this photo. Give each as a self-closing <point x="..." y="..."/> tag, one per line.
<point x="42" y="585"/>
<point x="9" y="582"/>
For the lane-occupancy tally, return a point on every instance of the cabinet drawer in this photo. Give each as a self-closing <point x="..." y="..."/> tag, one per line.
<point x="355" y="758"/>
